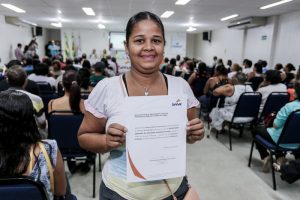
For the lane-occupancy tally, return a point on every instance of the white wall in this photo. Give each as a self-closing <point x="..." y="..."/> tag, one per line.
<point x="278" y="41"/>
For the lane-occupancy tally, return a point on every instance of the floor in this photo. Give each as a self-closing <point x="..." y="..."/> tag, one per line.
<point x="215" y="172"/>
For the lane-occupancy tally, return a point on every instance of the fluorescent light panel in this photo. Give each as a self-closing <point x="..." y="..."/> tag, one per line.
<point x="14" y="8"/>
<point x="182" y="2"/>
<point x="190" y="29"/>
<point x="58" y="25"/>
<point x="274" y="4"/>
<point x="167" y="14"/>
<point x="89" y="11"/>
<point x="101" y="26"/>
<point x="229" y="17"/>
<point x="59" y="11"/>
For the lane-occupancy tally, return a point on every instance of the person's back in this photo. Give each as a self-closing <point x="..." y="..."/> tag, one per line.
<point x="22" y="148"/>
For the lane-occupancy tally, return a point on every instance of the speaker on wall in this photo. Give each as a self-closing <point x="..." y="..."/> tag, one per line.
<point x="206" y="36"/>
<point x="38" y="31"/>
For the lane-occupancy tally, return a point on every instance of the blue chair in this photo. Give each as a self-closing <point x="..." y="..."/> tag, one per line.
<point x="247" y="106"/>
<point x="289" y="135"/>
<point x="63" y="127"/>
<point x="274" y="102"/>
<point x="45" y="87"/>
<point x="22" y="188"/>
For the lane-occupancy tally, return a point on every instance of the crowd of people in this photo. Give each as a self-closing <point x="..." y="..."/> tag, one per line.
<point x="102" y="129"/>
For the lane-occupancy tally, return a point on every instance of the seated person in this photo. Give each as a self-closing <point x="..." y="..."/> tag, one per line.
<point x="198" y="79"/>
<point x="21" y="144"/>
<point x="272" y="134"/>
<point x="17" y="79"/>
<point x="98" y="73"/>
<point x="232" y="94"/>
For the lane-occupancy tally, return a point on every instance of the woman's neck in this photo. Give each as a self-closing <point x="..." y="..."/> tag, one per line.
<point x="144" y="79"/>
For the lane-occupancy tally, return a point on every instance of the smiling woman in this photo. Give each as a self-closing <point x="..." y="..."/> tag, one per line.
<point x="103" y="130"/>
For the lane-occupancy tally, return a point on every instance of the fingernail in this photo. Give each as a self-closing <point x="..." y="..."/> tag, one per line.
<point x="187" y="128"/>
<point x="188" y="123"/>
<point x="125" y="130"/>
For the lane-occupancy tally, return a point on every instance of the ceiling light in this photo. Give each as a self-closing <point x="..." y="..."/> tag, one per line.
<point x="167" y="14"/>
<point x="58" y="25"/>
<point x="101" y="26"/>
<point x="229" y="17"/>
<point x="190" y="29"/>
<point x="28" y="22"/>
<point x="89" y="11"/>
<point x="275" y="4"/>
<point x="182" y="2"/>
<point x="59" y="11"/>
<point x="14" y="8"/>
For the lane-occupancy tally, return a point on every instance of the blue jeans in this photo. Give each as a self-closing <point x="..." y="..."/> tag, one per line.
<point x="108" y="194"/>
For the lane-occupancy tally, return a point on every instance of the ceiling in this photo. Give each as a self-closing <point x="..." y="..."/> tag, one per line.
<point x="203" y="14"/>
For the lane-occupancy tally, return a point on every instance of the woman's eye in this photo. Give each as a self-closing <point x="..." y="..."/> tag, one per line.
<point x="139" y="41"/>
<point x="156" y="41"/>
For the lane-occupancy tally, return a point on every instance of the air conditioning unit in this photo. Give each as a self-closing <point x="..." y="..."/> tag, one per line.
<point x="250" y="22"/>
<point x="16" y="21"/>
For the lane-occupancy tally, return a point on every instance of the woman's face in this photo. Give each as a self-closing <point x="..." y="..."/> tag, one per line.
<point x="145" y="46"/>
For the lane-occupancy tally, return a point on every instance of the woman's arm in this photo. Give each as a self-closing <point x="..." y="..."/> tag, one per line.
<point x="192" y="78"/>
<point x="207" y="85"/>
<point x="92" y="137"/>
<point x="225" y="90"/>
<point x="195" y="127"/>
<point x="60" y="183"/>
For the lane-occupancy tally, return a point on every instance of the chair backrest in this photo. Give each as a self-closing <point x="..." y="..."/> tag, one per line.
<point x="63" y="127"/>
<point x="289" y="134"/>
<point x="248" y="105"/>
<point x="46" y="99"/>
<point x="22" y="188"/>
<point x="45" y="87"/>
<point x="274" y="102"/>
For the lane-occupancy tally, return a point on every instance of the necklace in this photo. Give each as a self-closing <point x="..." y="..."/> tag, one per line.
<point x="146" y="89"/>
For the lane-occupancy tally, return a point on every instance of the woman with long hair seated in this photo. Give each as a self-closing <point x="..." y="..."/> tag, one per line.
<point x="21" y="147"/>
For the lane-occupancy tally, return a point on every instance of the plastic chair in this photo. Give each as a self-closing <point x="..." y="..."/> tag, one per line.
<point x="289" y="135"/>
<point x="274" y="102"/>
<point x="63" y="127"/>
<point x="247" y="106"/>
<point x="45" y="88"/>
<point x="22" y="188"/>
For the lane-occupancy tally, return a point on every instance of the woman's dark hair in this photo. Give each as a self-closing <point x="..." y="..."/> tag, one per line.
<point x="258" y="67"/>
<point x="297" y="89"/>
<point x="221" y="70"/>
<point x="273" y="76"/>
<point x="290" y="67"/>
<point x="166" y="60"/>
<point x="71" y="83"/>
<point x="202" y="68"/>
<point x="173" y="62"/>
<point x="140" y="17"/>
<point x="84" y="75"/>
<point x="278" y="66"/>
<point x="86" y="64"/>
<point x="41" y="69"/>
<point x="18" y="131"/>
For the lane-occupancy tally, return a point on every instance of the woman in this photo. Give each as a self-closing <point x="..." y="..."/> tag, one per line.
<point x="198" y="79"/>
<point x="19" y="137"/>
<point x="272" y="134"/>
<point x="102" y="130"/>
<point x="232" y="94"/>
<point x="234" y="69"/>
<point x="257" y="71"/>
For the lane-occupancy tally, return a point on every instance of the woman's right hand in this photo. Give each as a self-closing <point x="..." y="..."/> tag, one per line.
<point x="115" y="135"/>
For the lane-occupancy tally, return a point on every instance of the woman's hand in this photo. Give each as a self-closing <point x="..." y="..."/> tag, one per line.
<point x="115" y="135"/>
<point x="195" y="130"/>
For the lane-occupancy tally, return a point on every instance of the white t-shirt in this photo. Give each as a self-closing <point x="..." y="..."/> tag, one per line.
<point x="105" y="101"/>
<point x="266" y="91"/>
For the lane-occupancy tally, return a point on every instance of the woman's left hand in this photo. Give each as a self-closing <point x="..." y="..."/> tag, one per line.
<point x="195" y="130"/>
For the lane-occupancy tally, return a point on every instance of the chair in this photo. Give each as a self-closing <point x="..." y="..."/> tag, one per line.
<point x="46" y="99"/>
<point x="45" y="88"/>
<point x="63" y="127"/>
<point x="274" y="102"/>
<point x="22" y="188"/>
<point x="289" y="135"/>
<point x="247" y="106"/>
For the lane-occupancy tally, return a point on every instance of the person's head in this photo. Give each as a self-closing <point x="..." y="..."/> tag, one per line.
<point x="76" y="60"/>
<point x="99" y="67"/>
<point x="221" y="70"/>
<point x="220" y="61"/>
<point x="166" y="60"/>
<point x="71" y="84"/>
<point x="145" y="41"/>
<point x="113" y="59"/>
<point x="84" y="75"/>
<point x="94" y="51"/>
<point x="41" y="69"/>
<point x="248" y="63"/>
<point x="239" y="78"/>
<point x="297" y="88"/>
<point x="69" y="61"/>
<point x="229" y="63"/>
<point x="215" y="58"/>
<point x="173" y="62"/>
<point x="83" y="56"/>
<point x="19" y="45"/>
<point x="264" y="63"/>
<point x="56" y="65"/>
<point x="190" y="65"/>
<point x="18" y="131"/>
<point x="289" y="67"/>
<point x="273" y="77"/>
<point x="86" y="64"/>
<point x="16" y="76"/>
<point x="278" y="66"/>
<point x="258" y="68"/>
<point x="104" y="51"/>
<point x="236" y="67"/>
<point x="202" y="68"/>
<point x="178" y="57"/>
<point x="13" y="63"/>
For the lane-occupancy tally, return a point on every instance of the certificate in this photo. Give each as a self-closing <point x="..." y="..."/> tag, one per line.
<point x="156" y="137"/>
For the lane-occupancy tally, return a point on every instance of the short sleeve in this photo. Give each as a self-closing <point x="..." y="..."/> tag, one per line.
<point x="51" y="148"/>
<point x="96" y="104"/>
<point x="281" y="117"/>
<point x="191" y="99"/>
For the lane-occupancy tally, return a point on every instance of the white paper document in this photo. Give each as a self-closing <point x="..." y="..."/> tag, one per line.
<point x="156" y="137"/>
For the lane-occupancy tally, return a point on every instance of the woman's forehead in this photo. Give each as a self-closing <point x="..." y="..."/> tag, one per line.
<point x="147" y="26"/>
